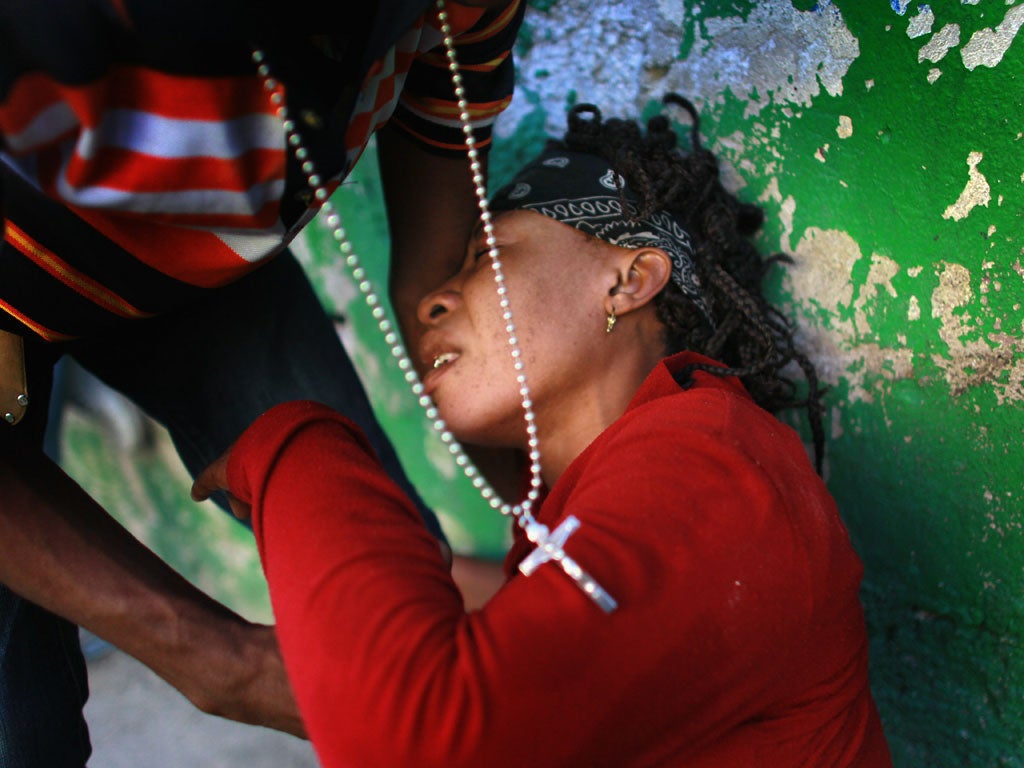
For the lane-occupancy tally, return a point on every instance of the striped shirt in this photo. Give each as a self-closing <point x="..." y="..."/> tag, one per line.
<point x="138" y="175"/>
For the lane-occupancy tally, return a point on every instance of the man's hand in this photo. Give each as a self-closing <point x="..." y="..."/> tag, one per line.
<point x="60" y="550"/>
<point x="215" y="478"/>
<point x="251" y="688"/>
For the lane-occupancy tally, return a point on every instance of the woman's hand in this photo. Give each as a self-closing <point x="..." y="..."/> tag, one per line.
<point x="215" y="478"/>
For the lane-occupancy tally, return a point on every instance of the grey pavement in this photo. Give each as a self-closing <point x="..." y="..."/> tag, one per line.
<point x="136" y="720"/>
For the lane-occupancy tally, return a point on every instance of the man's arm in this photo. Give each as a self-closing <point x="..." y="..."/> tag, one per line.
<point x="59" y="549"/>
<point x="428" y="185"/>
<point x="432" y="210"/>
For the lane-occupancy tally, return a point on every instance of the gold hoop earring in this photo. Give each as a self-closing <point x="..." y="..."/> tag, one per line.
<point x="611" y="321"/>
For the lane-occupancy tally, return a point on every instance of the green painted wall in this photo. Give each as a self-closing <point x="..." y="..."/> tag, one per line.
<point x="886" y="143"/>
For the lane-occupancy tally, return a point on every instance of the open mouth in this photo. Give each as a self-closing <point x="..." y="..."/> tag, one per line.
<point x="443" y="359"/>
<point x="439" y="364"/>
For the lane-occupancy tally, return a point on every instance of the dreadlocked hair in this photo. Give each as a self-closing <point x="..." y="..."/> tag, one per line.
<point x="750" y="336"/>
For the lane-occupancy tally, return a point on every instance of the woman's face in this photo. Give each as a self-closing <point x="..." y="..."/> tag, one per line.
<point x="557" y="289"/>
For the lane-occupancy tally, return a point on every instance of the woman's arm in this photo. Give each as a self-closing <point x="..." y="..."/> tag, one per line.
<point x="390" y="670"/>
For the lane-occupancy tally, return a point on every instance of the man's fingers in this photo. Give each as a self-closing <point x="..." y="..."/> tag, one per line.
<point x="210" y="480"/>
<point x="202" y="488"/>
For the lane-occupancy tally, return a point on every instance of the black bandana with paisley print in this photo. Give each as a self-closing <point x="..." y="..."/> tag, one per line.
<point x="582" y="190"/>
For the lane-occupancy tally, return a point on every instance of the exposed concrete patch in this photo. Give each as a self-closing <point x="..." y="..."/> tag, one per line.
<point x="976" y="363"/>
<point x="787" y="209"/>
<point x="825" y="259"/>
<point x="880" y="275"/>
<point x="845" y="128"/>
<point x="735" y="151"/>
<point x="776" y="55"/>
<point x="921" y="24"/>
<point x="952" y="293"/>
<point x="1014" y="390"/>
<point x="913" y="309"/>
<point x="820" y="278"/>
<point x="995" y="360"/>
<point x="935" y="50"/>
<point x="977" y="191"/>
<point x="987" y="46"/>
<point x="836" y="362"/>
<point x="673" y="11"/>
<point x="792" y="54"/>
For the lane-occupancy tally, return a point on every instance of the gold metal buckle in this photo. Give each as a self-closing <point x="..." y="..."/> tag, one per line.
<point x="13" y="378"/>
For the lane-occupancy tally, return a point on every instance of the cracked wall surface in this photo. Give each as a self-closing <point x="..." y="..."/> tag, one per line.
<point x="885" y="143"/>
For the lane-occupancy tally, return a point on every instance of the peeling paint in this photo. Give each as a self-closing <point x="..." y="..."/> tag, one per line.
<point x="880" y="275"/>
<point x="987" y="46"/>
<point x="977" y="191"/>
<point x="995" y="360"/>
<point x="809" y="51"/>
<point x="934" y="74"/>
<point x="979" y="363"/>
<point x="787" y="209"/>
<point x="1014" y="390"/>
<point x="935" y="50"/>
<point x="952" y="293"/>
<point x="845" y="129"/>
<point x="826" y="259"/>
<point x="921" y="24"/>
<point x="820" y="277"/>
<point x="913" y="309"/>
<point x="674" y="12"/>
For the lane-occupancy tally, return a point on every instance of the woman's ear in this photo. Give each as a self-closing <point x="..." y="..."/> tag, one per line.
<point x="642" y="275"/>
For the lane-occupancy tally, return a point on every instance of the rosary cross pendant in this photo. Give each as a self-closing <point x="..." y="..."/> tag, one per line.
<point x="551" y="546"/>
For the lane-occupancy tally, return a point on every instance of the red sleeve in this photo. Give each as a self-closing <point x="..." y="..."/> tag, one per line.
<point x="389" y="670"/>
<point x="386" y="665"/>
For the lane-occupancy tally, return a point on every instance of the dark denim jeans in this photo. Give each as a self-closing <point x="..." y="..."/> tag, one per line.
<point x="205" y="372"/>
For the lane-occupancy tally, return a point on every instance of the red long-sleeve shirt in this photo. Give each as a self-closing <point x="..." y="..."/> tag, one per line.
<point x="739" y="638"/>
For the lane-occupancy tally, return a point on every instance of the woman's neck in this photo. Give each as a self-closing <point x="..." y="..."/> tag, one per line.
<point x="564" y="436"/>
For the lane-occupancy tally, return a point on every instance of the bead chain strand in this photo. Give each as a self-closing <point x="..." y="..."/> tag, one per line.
<point x="523" y="511"/>
<point x="535" y="531"/>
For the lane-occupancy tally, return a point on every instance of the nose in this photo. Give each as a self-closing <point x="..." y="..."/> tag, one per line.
<point x="437" y="304"/>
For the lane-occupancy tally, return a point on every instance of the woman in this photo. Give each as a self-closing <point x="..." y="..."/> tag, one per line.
<point x="738" y="638"/>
